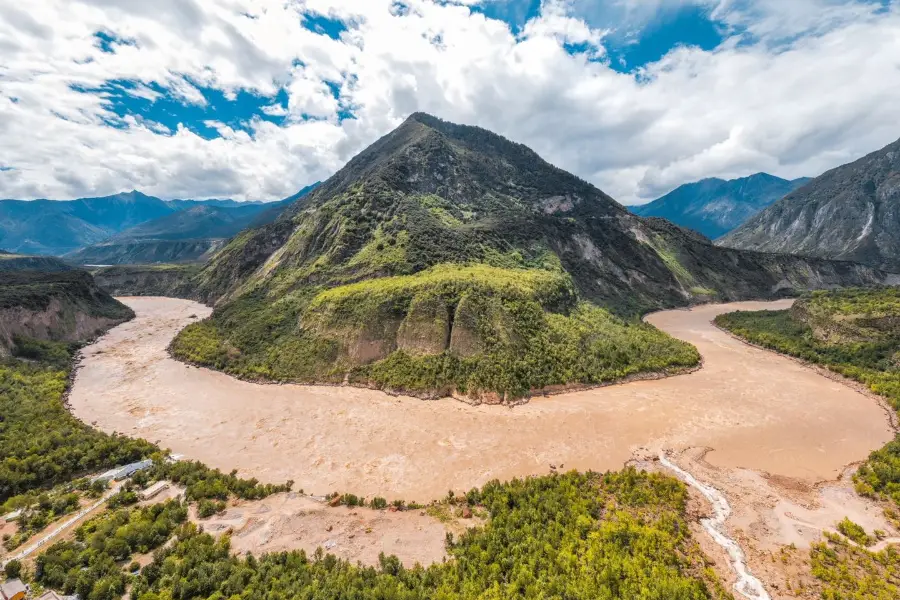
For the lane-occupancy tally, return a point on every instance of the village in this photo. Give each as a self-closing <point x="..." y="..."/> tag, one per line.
<point x="112" y="481"/>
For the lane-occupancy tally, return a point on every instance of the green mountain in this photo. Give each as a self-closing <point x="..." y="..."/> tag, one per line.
<point x="447" y="259"/>
<point x="849" y="213"/>
<point x="192" y="234"/>
<point x="713" y="207"/>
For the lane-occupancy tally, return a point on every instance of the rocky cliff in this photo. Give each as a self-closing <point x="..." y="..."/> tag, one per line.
<point x="849" y="213"/>
<point x="59" y="306"/>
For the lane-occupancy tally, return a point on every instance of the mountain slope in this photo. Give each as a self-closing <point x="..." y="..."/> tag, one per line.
<point x="56" y="227"/>
<point x="445" y="257"/>
<point x="714" y="207"/>
<point x="191" y="234"/>
<point x="24" y="262"/>
<point x="850" y="213"/>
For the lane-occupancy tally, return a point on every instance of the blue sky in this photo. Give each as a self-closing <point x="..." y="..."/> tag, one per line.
<point x="629" y="46"/>
<point x="209" y="98"/>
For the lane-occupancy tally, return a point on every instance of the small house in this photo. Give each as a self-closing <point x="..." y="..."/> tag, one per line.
<point x="129" y="470"/>
<point x="153" y="490"/>
<point x="13" y="589"/>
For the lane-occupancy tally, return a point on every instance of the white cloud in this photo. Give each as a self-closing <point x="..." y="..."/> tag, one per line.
<point x="815" y="83"/>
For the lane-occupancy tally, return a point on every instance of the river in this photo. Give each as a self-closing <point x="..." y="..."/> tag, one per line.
<point x="753" y="408"/>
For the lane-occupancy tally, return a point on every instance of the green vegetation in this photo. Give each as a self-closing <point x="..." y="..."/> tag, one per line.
<point x="615" y="536"/>
<point x="589" y="347"/>
<point x="41" y="444"/>
<point x="91" y="565"/>
<point x="855" y="532"/>
<point x="850" y="572"/>
<point x="874" y="362"/>
<point x="473" y="329"/>
<point x="854" y="333"/>
<point x="37" y="511"/>
<point x="204" y="483"/>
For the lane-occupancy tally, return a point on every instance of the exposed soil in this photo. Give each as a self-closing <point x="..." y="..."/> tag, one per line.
<point x="293" y="522"/>
<point x="763" y="429"/>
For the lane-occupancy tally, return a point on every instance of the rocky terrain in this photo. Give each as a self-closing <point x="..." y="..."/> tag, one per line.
<point x="849" y="213"/>
<point x="174" y="281"/>
<point x="713" y="207"/>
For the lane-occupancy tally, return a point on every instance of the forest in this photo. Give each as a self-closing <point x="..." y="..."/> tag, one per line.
<point x="41" y="443"/>
<point x="591" y="536"/>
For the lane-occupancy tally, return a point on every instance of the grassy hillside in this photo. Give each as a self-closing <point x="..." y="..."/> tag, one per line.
<point x="474" y="330"/>
<point x="853" y="332"/>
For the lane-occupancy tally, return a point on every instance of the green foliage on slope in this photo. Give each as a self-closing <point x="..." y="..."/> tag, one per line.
<point x="851" y="572"/>
<point x="615" y="536"/>
<point x="473" y="329"/>
<point x="91" y="565"/>
<point x="41" y="444"/>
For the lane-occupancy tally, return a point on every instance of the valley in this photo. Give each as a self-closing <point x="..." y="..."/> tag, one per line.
<point x="765" y="430"/>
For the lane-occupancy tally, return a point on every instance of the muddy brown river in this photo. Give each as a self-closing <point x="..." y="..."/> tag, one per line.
<point x="752" y="408"/>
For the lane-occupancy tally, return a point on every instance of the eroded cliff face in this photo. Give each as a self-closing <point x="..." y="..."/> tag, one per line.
<point x="57" y="322"/>
<point x="174" y="281"/>
<point x="64" y="306"/>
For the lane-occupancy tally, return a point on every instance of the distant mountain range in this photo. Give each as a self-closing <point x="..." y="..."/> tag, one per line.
<point x="850" y="213"/>
<point x="131" y="226"/>
<point x="713" y="207"/>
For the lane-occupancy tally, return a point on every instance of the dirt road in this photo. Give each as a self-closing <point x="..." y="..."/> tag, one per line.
<point x="753" y="408"/>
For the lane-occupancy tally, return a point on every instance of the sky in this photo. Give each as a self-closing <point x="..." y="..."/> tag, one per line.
<point x="254" y="99"/>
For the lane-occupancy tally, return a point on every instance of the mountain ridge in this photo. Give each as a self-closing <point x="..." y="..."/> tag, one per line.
<point x="715" y="206"/>
<point x="851" y="212"/>
<point x="445" y="257"/>
<point x="58" y="227"/>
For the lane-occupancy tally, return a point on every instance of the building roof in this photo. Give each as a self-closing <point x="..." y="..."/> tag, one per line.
<point x="13" y="587"/>
<point x="157" y="487"/>
<point x="51" y="595"/>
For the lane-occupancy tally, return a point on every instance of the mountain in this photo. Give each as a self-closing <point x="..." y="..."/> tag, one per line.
<point x="191" y="234"/>
<point x="56" y="227"/>
<point x="714" y="207"/>
<point x="447" y="259"/>
<point x="849" y="213"/>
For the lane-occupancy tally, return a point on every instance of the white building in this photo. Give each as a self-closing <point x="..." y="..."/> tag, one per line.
<point x="154" y="490"/>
